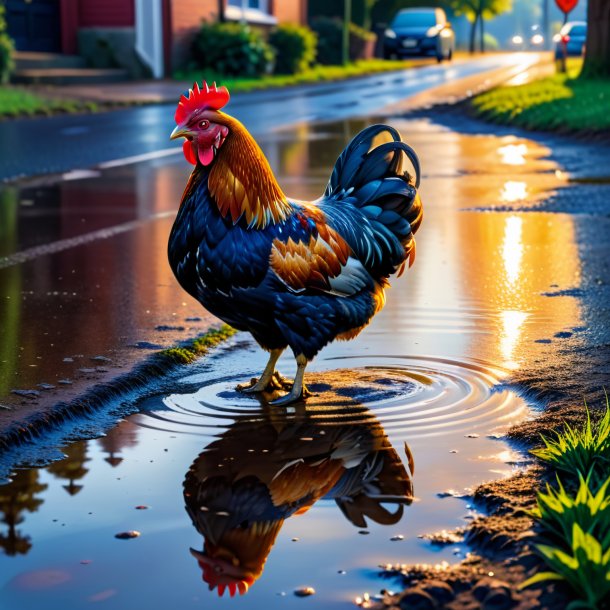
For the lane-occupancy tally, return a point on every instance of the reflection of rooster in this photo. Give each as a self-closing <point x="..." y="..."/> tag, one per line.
<point x="240" y="490"/>
<point x="297" y="274"/>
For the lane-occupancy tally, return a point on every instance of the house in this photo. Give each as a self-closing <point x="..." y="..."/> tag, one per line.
<point x="136" y="37"/>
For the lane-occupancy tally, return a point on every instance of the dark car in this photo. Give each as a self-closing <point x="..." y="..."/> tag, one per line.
<point x="419" y="32"/>
<point x="571" y="39"/>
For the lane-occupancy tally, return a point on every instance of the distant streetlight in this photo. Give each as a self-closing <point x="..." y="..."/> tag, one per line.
<point x="347" y="18"/>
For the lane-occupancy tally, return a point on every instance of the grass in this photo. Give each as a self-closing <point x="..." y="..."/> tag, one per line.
<point x="15" y="101"/>
<point x="574" y="517"/>
<point x="189" y="352"/>
<point x="562" y="102"/>
<point x="317" y="74"/>
<point x="585" y="451"/>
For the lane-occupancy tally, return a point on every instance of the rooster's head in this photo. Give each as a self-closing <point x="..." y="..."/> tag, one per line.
<point x="199" y="121"/>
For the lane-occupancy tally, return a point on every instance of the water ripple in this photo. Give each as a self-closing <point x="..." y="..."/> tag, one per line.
<point x="419" y="396"/>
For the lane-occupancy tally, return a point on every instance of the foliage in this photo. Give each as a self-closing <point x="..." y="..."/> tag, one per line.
<point x="189" y="352"/>
<point x="577" y="525"/>
<point x="558" y="511"/>
<point x="317" y="74"/>
<point x="295" y="48"/>
<point x="584" y="452"/>
<point x="491" y="42"/>
<point x="330" y="37"/>
<point x="17" y="102"/>
<point x="232" y="49"/>
<point x="557" y="103"/>
<point x="477" y="8"/>
<point x="6" y="50"/>
<point x="361" y="10"/>
<point x="586" y="568"/>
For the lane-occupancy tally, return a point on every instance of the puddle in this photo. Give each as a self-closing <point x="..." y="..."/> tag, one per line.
<point x="286" y="493"/>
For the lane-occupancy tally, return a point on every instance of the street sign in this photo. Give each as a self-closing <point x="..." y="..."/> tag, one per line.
<point x="566" y="5"/>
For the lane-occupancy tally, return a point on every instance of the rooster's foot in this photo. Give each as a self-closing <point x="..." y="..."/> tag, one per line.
<point x="272" y="383"/>
<point x="292" y="396"/>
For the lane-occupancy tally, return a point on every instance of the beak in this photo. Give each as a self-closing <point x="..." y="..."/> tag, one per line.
<point x="179" y="132"/>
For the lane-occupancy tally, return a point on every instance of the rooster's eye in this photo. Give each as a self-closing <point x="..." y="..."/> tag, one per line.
<point x="204" y="124"/>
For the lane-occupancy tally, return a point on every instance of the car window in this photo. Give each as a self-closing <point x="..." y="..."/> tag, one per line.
<point x="578" y="30"/>
<point x="414" y="19"/>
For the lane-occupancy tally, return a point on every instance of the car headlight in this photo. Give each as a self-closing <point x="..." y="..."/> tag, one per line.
<point x="517" y="39"/>
<point x="433" y="31"/>
<point x="389" y="33"/>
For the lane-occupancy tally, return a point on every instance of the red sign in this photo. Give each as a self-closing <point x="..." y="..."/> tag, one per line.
<point x="566" y="5"/>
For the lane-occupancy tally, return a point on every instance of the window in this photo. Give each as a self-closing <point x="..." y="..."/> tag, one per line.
<point x="250" y="11"/>
<point x="258" y="5"/>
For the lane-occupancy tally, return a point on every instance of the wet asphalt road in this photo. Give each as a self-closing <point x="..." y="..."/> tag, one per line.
<point x="42" y="146"/>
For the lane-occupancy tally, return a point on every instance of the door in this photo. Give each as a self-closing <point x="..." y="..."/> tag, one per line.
<point x="34" y="25"/>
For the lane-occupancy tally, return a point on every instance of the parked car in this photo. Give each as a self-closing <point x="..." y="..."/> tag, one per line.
<point x="419" y="32"/>
<point x="571" y="39"/>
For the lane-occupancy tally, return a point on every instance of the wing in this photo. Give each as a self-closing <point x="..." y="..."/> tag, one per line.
<point x="313" y="256"/>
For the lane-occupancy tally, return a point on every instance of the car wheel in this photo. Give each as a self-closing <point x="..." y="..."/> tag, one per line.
<point x="439" y="58"/>
<point x="450" y="55"/>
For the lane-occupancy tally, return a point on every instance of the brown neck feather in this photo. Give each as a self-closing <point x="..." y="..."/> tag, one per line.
<point x="241" y="180"/>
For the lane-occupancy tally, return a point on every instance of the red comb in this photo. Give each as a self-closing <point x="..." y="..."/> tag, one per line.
<point x="205" y="97"/>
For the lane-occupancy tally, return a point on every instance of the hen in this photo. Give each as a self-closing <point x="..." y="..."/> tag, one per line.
<point x="293" y="273"/>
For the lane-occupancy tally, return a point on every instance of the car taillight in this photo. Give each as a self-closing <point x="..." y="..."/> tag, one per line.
<point x="565" y="39"/>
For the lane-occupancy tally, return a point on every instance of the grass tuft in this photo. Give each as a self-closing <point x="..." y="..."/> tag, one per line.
<point x="185" y="354"/>
<point x="558" y="511"/>
<point x="316" y="74"/>
<point x="15" y="101"/>
<point x="580" y="452"/>
<point x="577" y="523"/>
<point x="562" y="102"/>
<point x="586" y="568"/>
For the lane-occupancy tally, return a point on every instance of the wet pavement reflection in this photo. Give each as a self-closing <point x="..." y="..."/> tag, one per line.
<point x="276" y="499"/>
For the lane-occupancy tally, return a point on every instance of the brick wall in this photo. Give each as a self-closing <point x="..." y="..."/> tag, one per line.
<point x="290" y="11"/>
<point x="186" y="17"/>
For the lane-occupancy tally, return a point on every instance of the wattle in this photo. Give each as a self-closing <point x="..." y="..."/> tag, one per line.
<point x="206" y="155"/>
<point x="188" y="148"/>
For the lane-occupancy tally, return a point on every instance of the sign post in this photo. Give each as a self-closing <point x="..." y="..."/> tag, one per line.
<point x="566" y="6"/>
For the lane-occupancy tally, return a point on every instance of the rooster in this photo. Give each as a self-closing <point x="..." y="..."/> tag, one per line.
<point x="293" y="273"/>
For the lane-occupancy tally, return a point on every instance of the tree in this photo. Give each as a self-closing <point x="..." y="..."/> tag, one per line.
<point x="16" y="498"/>
<point x="597" y="54"/>
<point x="477" y="11"/>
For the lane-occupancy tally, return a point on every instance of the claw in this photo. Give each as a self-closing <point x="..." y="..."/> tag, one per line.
<point x="276" y="382"/>
<point x="248" y="388"/>
<point x="292" y="396"/>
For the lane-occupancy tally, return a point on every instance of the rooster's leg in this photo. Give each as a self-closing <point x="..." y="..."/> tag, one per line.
<point x="269" y="376"/>
<point x="299" y="390"/>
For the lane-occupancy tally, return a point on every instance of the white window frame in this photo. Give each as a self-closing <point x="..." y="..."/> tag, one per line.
<point x="238" y="10"/>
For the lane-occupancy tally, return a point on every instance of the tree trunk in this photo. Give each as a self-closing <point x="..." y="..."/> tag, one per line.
<point x="597" y="52"/>
<point x="482" y="33"/>
<point x="221" y="11"/>
<point x="473" y="32"/>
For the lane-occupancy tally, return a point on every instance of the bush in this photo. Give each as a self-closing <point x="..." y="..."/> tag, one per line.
<point x="231" y="49"/>
<point x="295" y="48"/>
<point x="491" y="42"/>
<point x="330" y="40"/>
<point x="6" y="50"/>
